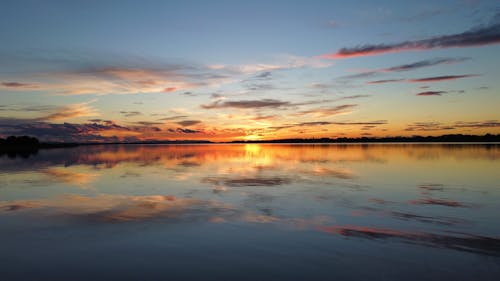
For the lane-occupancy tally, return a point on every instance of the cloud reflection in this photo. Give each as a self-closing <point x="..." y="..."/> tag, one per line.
<point x="461" y="242"/>
<point x="119" y="208"/>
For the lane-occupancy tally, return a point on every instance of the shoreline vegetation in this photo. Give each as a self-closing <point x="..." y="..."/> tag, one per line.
<point x="29" y="143"/>
<point x="25" y="146"/>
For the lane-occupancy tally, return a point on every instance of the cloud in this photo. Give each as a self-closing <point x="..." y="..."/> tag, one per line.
<point x="187" y="131"/>
<point x="148" y="123"/>
<point x="272" y="103"/>
<point x="407" y="67"/>
<point x="100" y="131"/>
<point x="18" y="85"/>
<point x="264" y="75"/>
<point x="458" y="241"/>
<point x="385" y="81"/>
<point x="424" y="63"/>
<point x="70" y="176"/>
<point x="130" y="113"/>
<point x="187" y="123"/>
<point x="174" y="117"/>
<point x="329" y="111"/>
<point x="441" y="78"/>
<point x="431" y="93"/>
<point x="329" y="172"/>
<point x="425" y="79"/>
<point x="438" y="126"/>
<point x="119" y="208"/>
<point x="71" y="111"/>
<point x="169" y="89"/>
<point x="244" y="181"/>
<point x="440" y="202"/>
<point x="480" y="36"/>
<point x="426" y="219"/>
<point x="323" y="123"/>
<point x="428" y="126"/>
<point x="481" y="124"/>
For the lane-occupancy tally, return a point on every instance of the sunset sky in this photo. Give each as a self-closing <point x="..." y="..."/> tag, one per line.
<point x="248" y="70"/>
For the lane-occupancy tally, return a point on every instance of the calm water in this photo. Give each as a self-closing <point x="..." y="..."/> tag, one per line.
<point x="252" y="212"/>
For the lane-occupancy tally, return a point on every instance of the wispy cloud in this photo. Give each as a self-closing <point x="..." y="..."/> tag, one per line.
<point x="441" y="78"/>
<point x="173" y="117"/>
<point x="385" y="81"/>
<point x="270" y="103"/>
<point x="130" y="113"/>
<point x="187" y="123"/>
<point x="324" y="123"/>
<point x="71" y="111"/>
<point x="481" y="124"/>
<point x="428" y="126"/>
<point x="19" y="85"/>
<point x="425" y="79"/>
<point x="438" y="126"/>
<point x="462" y="242"/>
<point x="186" y="131"/>
<point x="328" y="111"/>
<point x="431" y="93"/>
<point x="406" y="67"/>
<point x="479" y="36"/>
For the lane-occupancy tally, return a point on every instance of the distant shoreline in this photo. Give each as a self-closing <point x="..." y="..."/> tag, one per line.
<point x="445" y="139"/>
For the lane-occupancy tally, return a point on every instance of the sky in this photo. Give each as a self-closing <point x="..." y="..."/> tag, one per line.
<point x="95" y="71"/>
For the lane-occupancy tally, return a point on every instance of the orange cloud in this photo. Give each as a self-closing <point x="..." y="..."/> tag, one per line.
<point x="71" y="111"/>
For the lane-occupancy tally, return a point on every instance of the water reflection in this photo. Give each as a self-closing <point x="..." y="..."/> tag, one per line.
<point x="439" y="197"/>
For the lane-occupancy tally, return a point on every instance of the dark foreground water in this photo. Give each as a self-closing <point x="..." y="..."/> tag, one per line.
<point x="252" y="212"/>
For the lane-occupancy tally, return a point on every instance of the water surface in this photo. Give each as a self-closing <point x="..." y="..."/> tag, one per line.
<point x="252" y="212"/>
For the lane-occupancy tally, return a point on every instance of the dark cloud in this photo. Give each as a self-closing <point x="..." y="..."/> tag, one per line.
<point x="148" y="123"/>
<point x="243" y="181"/>
<point x="407" y="67"/>
<point x="441" y="78"/>
<point x="187" y="123"/>
<point x="461" y="242"/>
<point x="329" y="111"/>
<point x="59" y="132"/>
<point x="439" y="202"/>
<point x="264" y="75"/>
<point x="271" y="103"/>
<point x="130" y="113"/>
<point x="174" y="117"/>
<point x="260" y="87"/>
<point x="187" y="131"/>
<point x="315" y="123"/>
<point x="428" y="126"/>
<point x="437" y="126"/>
<point x="482" y="124"/>
<point x="263" y="117"/>
<point x="18" y="85"/>
<point x="322" y="123"/>
<point x="109" y="122"/>
<point x="424" y="63"/>
<point x="480" y="36"/>
<point x="352" y="97"/>
<point x="385" y="81"/>
<point x="431" y="93"/>
<point x="432" y="187"/>
<point x="70" y="132"/>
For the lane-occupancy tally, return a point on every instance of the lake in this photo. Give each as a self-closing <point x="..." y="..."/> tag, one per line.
<point x="252" y="212"/>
